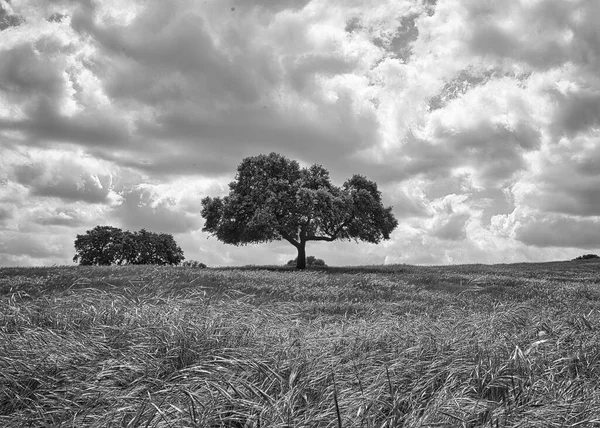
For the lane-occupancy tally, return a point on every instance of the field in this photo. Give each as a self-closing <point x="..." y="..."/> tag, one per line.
<point x="393" y="346"/>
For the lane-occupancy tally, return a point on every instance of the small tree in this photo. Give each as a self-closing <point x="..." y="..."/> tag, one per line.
<point x="194" y="264"/>
<point x="106" y="245"/>
<point x="587" y="257"/>
<point x="310" y="261"/>
<point x="273" y="198"/>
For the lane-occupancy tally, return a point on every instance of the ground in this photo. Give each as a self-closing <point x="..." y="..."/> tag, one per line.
<point x="381" y="346"/>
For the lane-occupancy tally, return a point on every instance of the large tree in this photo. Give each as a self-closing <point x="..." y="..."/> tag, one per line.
<point x="273" y="198"/>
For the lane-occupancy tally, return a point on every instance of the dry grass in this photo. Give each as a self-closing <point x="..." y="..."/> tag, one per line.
<point x="401" y="346"/>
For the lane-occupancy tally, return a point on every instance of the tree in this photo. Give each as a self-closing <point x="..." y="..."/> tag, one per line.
<point x="99" y="246"/>
<point x="194" y="264"/>
<point x="157" y="249"/>
<point x="273" y="198"/>
<point x="106" y="245"/>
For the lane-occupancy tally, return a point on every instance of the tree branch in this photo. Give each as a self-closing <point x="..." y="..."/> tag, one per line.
<point x="320" y="238"/>
<point x="334" y="235"/>
<point x="290" y="239"/>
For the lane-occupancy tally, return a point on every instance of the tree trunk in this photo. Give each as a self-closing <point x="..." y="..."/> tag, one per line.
<point x="301" y="260"/>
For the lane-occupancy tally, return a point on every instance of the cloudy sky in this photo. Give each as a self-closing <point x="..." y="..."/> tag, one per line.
<point x="479" y="120"/>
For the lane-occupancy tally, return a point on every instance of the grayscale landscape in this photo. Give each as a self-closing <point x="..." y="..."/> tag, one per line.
<point x="300" y="213"/>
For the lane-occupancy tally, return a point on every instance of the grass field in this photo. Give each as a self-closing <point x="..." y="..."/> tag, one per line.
<point x="393" y="346"/>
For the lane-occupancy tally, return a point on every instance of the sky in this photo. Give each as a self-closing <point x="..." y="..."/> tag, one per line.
<point x="478" y="119"/>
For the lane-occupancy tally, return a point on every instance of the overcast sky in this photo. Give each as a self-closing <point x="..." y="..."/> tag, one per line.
<point x="479" y="120"/>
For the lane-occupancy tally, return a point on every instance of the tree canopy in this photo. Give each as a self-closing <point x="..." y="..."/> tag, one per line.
<point x="274" y="198"/>
<point x="107" y="245"/>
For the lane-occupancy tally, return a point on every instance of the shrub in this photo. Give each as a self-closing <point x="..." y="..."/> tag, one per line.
<point x="194" y="264"/>
<point x="310" y="261"/>
<point x="587" y="257"/>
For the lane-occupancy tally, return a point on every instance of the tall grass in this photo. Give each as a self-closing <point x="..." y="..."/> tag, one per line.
<point x="403" y="346"/>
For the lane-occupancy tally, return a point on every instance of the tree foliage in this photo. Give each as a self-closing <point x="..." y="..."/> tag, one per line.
<point x="587" y="257"/>
<point x="107" y="245"/>
<point x="194" y="264"/>
<point x="273" y="198"/>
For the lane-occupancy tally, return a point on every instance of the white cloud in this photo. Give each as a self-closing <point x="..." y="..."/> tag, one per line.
<point x="479" y="120"/>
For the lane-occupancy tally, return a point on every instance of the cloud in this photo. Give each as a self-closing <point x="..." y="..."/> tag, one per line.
<point x="559" y="231"/>
<point x="148" y="207"/>
<point x="6" y="213"/>
<point x="542" y="34"/>
<point x="451" y="215"/>
<point x="486" y="135"/>
<point x="39" y="247"/>
<point x="564" y="178"/>
<point x="478" y="120"/>
<point x="8" y="19"/>
<point x="65" y="180"/>
<point x="68" y="217"/>
<point x="45" y="125"/>
<point x="408" y="199"/>
<point x="577" y="111"/>
<point x="241" y="6"/>
<point x="24" y="72"/>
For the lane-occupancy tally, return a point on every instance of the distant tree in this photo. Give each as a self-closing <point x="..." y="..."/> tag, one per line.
<point x="106" y="245"/>
<point x="587" y="257"/>
<point x="310" y="261"/>
<point x="273" y="198"/>
<point x="99" y="246"/>
<point x="194" y="264"/>
<point x="128" y="253"/>
<point x="156" y="249"/>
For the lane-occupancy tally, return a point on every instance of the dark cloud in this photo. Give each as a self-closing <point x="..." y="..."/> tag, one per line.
<point x="165" y="52"/>
<point x="139" y="210"/>
<point x="68" y="182"/>
<point x="246" y="132"/>
<point x="24" y="71"/>
<point x="6" y="213"/>
<point x="58" y="217"/>
<point x="494" y="151"/>
<point x="45" y="124"/>
<point x="569" y="180"/>
<point x="488" y="38"/>
<point x="214" y="105"/>
<point x="405" y="205"/>
<point x="576" y="112"/>
<point x="33" y="77"/>
<point x="274" y="6"/>
<point x="537" y="35"/>
<point x="8" y="20"/>
<point x="15" y="244"/>
<point x="452" y="228"/>
<point x="559" y="231"/>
